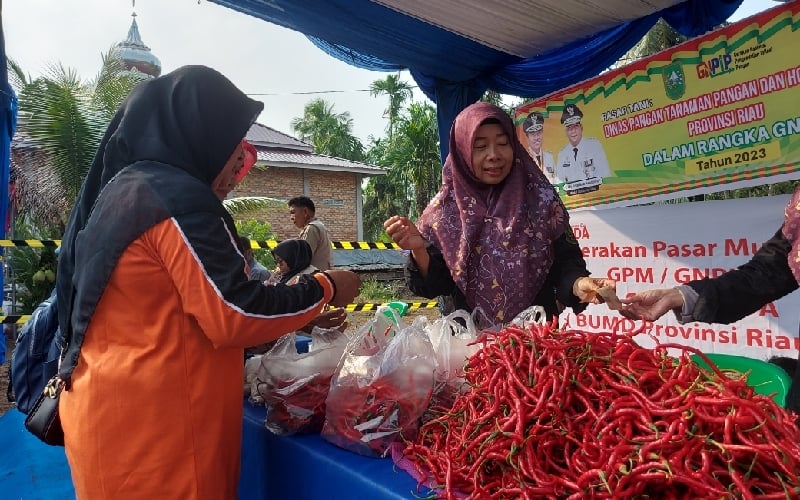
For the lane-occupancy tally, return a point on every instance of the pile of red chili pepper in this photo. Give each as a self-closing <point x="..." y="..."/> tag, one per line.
<point x="296" y="407"/>
<point x="569" y="414"/>
<point x="368" y="419"/>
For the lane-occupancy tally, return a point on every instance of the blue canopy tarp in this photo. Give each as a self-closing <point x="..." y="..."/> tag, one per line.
<point x="532" y="48"/>
<point x="455" y="63"/>
<point x="8" y="120"/>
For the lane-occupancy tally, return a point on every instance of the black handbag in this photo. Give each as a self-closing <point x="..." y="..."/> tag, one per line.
<point x="43" y="420"/>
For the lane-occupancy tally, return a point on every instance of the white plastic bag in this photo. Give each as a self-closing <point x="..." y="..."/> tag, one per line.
<point x="381" y="387"/>
<point x="294" y="386"/>
<point x="533" y="315"/>
<point x="454" y="340"/>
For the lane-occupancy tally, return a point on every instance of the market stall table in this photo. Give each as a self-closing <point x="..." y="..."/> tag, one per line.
<point x="273" y="467"/>
<point x="30" y="469"/>
<point x="308" y="467"/>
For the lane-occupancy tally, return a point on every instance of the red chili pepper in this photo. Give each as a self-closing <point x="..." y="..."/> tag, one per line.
<point x="555" y="414"/>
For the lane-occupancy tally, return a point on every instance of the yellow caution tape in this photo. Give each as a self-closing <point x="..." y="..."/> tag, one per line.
<point x="30" y="243"/>
<point x="367" y="306"/>
<point x="364" y="245"/>
<point x="372" y="306"/>
<point x="336" y="245"/>
<point x="264" y="244"/>
<point x="17" y="319"/>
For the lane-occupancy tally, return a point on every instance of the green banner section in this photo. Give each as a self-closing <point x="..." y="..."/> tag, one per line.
<point x="717" y="112"/>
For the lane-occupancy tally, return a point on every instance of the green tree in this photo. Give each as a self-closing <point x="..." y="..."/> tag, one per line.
<point x="414" y="170"/>
<point x="384" y="196"/>
<point x="258" y="231"/>
<point x="496" y="98"/>
<point x="62" y="120"/>
<point x="660" y="37"/>
<point x="31" y="271"/>
<point x="415" y="153"/>
<point x="381" y="198"/>
<point x="329" y="132"/>
<point x="398" y="92"/>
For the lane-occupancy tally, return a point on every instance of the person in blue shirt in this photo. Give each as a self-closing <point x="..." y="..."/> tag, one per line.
<point x="257" y="271"/>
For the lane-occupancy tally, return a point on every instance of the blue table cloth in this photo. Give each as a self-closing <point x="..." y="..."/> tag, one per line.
<point x="308" y="467"/>
<point x="273" y="467"/>
<point x="30" y="469"/>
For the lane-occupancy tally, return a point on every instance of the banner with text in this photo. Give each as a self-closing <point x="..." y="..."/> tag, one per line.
<point x="661" y="246"/>
<point x="715" y="113"/>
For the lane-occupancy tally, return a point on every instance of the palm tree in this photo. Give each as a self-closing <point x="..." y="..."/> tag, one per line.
<point x="414" y="169"/>
<point x="415" y="153"/>
<point x="381" y="201"/>
<point x="398" y="91"/>
<point x="244" y="205"/>
<point x="329" y="132"/>
<point x="61" y="122"/>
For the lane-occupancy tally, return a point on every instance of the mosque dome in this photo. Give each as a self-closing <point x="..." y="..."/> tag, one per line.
<point x="135" y="54"/>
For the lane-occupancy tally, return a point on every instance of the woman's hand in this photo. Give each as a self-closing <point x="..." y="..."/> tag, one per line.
<point x="403" y="232"/>
<point x="652" y="304"/>
<point x="586" y="289"/>
<point x="407" y="236"/>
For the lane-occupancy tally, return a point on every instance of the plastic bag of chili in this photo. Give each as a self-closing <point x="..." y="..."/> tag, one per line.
<point x="381" y="387"/>
<point x="294" y="386"/>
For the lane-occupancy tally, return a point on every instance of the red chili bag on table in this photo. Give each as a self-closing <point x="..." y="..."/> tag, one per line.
<point x="294" y="386"/>
<point x="381" y="387"/>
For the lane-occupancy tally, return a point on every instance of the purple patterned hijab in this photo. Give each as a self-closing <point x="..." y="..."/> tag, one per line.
<point x="791" y="230"/>
<point x="497" y="240"/>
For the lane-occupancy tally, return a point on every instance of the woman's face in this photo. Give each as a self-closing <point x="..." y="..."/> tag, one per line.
<point x="283" y="267"/>
<point x="226" y="179"/>
<point x="492" y="154"/>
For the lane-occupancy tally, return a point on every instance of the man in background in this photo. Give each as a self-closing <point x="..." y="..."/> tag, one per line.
<point x="534" y="132"/>
<point x="583" y="157"/>
<point x="302" y="213"/>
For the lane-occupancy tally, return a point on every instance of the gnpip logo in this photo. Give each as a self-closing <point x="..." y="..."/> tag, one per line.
<point x="715" y="67"/>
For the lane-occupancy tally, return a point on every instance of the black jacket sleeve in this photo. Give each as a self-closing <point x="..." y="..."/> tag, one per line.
<point x="438" y="282"/>
<point x="742" y="291"/>
<point x="568" y="266"/>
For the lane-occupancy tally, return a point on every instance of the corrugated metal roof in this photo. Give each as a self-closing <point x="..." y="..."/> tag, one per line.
<point x="284" y="159"/>
<point x="526" y="28"/>
<point x="263" y="136"/>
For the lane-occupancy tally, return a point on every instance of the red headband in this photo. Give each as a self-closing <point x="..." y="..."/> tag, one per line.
<point x="250" y="157"/>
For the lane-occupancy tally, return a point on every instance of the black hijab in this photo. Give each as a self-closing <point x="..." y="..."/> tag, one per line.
<point x="296" y="254"/>
<point x="162" y="150"/>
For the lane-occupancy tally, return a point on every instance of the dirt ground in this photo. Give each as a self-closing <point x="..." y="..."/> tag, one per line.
<point x="356" y="319"/>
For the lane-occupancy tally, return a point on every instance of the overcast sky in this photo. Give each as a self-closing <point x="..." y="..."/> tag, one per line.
<point x="273" y="64"/>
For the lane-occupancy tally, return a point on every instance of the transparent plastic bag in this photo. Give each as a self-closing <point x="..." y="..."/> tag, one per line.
<point x="294" y="386"/>
<point x="533" y="315"/>
<point x="381" y="387"/>
<point x="454" y="340"/>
